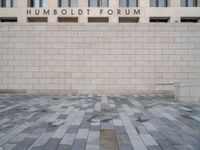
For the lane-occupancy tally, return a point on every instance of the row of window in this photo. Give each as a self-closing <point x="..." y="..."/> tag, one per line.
<point x="97" y="3"/>
<point x="100" y="19"/>
<point x="8" y="3"/>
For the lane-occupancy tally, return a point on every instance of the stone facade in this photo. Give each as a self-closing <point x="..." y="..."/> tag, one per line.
<point x="120" y="58"/>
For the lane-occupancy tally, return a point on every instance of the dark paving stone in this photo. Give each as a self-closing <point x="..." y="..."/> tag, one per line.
<point x="108" y="140"/>
<point x="73" y="129"/>
<point x="95" y="128"/>
<point x="154" y="147"/>
<point x="79" y="144"/>
<point x="120" y="130"/>
<point x="171" y="134"/>
<point x="125" y="146"/>
<point x="85" y="124"/>
<point x="165" y="145"/>
<point x="51" y="144"/>
<point x="63" y="147"/>
<point x="36" y="148"/>
<point x="23" y="145"/>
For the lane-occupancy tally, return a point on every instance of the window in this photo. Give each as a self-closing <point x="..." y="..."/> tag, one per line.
<point x="98" y="3"/>
<point x="68" y="19"/>
<point x="8" y="3"/>
<point x="98" y="19"/>
<point x="67" y="3"/>
<point x="159" y="19"/>
<point x="37" y="3"/>
<point x="37" y="19"/>
<point x="128" y="19"/>
<point x="190" y="19"/>
<point x="158" y="3"/>
<point x="8" y="19"/>
<point x="128" y="3"/>
<point x="188" y="3"/>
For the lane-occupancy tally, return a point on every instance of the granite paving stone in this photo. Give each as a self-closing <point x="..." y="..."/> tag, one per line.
<point x="97" y="122"/>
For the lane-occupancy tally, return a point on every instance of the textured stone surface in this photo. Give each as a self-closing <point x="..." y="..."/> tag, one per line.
<point x="26" y="122"/>
<point x="114" y="58"/>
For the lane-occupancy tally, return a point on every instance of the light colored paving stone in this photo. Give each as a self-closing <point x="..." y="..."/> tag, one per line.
<point x="196" y="117"/>
<point x="4" y="120"/>
<point x="20" y="137"/>
<point x="148" y="140"/>
<point x="79" y="117"/>
<point x="149" y="126"/>
<point x="6" y="138"/>
<point x="170" y="125"/>
<point x="93" y="140"/>
<point x="68" y="139"/>
<point x="82" y="134"/>
<point x="92" y="147"/>
<point x="42" y="140"/>
<point x="8" y="146"/>
<point x="135" y="139"/>
<point x="117" y="122"/>
<point x="97" y="106"/>
<point x="128" y="110"/>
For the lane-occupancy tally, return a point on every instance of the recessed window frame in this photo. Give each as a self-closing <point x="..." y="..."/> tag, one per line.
<point x="158" y="3"/>
<point x="98" y="19"/>
<point x="159" y="19"/>
<point x="8" y="3"/>
<point x="185" y="3"/>
<point x="37" y="19"/>
<point x="37" y="3"/>
<point x="68" y="4"/>
<point x="8" y="19"/>
<point x="127" y="3"/>
<point x="99" y="3"/>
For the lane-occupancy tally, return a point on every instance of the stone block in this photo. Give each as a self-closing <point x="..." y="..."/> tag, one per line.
<point x="188" y="92"/>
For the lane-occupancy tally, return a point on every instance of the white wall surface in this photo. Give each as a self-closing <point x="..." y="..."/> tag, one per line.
<point x="120" y="58"/>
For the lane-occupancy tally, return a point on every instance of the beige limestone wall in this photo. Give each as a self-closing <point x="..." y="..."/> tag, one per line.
<point x="120" y="58"/>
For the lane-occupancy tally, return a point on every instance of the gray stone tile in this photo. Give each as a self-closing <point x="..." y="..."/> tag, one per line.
<point x="95" y="128"/>
<point x="51" y="144"/>
<point x="73" y="129"/>
<point x="157" y="147"/>
<point x="27" y="124"/>
<point x="63" y="147"/>
<point x="148" y="140"/>
<point x="120" y="130"/>
<point x="82" y="134"/>
<point x="123" y="146"/>
<point x="165" y="145"/>
<point x="108" y="140"/>
<point x="24" y="145"/>
<point x="79" y="144"/>
<point x="68" y="139"/>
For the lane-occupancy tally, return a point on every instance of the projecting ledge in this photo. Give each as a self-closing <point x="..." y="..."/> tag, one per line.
<point x="188" y="92"/>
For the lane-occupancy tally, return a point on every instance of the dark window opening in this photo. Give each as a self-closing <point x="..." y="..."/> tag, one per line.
<point x="68" y="19"/>
<point x="128" y="19"/>
<point x="98" y="3"/>
<point x="8" y="19"/>
<point x="98" y="19"/>
<point x="128" y="3"/>
<point x="159" y="19"/>
<point x="188" y="3"/>
<point x="37" y="19"/>
<point x="190" y="19"/>
<point x="158" y="3"/>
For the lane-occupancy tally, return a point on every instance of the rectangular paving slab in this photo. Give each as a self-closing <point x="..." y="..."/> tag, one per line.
<point x="97" y="122"/>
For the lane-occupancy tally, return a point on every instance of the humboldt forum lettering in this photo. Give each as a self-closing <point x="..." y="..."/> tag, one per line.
<point x="87" y="11"/>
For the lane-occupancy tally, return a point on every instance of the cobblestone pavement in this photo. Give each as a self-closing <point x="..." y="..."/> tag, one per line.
<point x="97" y="122"/>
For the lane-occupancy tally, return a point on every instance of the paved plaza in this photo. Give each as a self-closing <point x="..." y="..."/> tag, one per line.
<point x="97" y="122"/>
